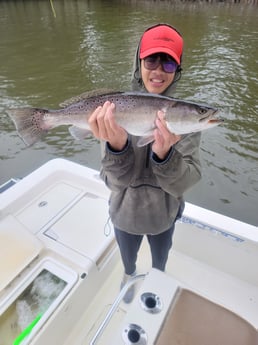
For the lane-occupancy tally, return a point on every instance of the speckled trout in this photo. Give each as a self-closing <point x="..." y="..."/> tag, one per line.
<point x="134" y="111"/>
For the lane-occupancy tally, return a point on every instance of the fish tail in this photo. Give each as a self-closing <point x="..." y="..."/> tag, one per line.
<point x="29" y="123"/>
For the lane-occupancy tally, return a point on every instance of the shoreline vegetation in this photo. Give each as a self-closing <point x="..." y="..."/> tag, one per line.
<point x="246" y="2"/>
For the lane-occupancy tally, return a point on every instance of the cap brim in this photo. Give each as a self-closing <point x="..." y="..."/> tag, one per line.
<point x="160" y="50"/>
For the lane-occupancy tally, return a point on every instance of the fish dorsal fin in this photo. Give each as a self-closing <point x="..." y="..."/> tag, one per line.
<point x="85" y="95"/>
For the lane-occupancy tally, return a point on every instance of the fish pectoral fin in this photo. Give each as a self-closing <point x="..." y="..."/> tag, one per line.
<point x="79" y="133"/>
<point x="145" y="140"/>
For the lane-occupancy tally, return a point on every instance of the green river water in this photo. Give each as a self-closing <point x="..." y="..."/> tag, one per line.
<point x="90" y="45"/>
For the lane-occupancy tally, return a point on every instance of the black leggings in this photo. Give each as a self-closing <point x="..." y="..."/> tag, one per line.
<point x="129" y="245"/>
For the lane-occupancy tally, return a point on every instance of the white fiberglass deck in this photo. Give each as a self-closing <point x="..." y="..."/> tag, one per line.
<point x="59" y="215"/>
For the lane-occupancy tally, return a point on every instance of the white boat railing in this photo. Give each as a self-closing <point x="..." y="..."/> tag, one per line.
<point x="115" y="305"/>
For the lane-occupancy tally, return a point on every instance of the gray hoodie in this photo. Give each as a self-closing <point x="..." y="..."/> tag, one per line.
<point x="146" y="193"/>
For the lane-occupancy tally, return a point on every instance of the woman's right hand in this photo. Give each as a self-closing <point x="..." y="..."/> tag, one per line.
<point x="103" y="126"/>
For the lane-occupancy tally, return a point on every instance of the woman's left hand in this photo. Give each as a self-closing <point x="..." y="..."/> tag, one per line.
<point x="163" y="138"/>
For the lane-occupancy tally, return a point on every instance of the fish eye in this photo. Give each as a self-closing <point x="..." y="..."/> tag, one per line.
<point x="204" y="114"/>
<point x="202" y="111"/>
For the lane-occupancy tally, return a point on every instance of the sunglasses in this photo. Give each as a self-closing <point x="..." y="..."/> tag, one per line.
<point x="152" y="62"/>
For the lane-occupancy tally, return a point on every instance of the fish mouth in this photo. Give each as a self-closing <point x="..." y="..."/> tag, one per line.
<point x="210" y="116"/>
<point x="214" y="120"/>
<point x="211" y="121"/>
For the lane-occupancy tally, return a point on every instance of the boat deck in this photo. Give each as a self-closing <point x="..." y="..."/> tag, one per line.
<point x="222" y="288"/>
<point x="55" y="221"/>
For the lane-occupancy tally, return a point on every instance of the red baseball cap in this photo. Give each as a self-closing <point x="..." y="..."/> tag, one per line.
<point x="162" y="39"/>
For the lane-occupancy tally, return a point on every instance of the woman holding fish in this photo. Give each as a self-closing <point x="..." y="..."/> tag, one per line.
<point x="147" y="183"/>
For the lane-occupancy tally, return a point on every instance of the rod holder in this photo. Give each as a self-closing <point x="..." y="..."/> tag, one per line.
<point x="151" y="303"/>
<point x="134" y="334"/>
